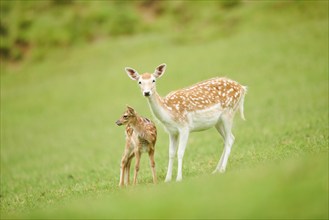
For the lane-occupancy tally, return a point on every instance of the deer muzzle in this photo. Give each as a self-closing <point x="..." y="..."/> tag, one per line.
<point x="118" y="122"/>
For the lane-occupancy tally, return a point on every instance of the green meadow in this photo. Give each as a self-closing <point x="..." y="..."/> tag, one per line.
<point x="61" y="148"/>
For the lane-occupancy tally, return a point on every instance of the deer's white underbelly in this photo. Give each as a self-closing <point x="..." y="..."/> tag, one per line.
<point x="203" y="119"/>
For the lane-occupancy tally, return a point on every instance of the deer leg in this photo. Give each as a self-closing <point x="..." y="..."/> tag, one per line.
<point x="127" y="173"/>
<point x="172" y="151"/>
<point x="152" y="163"/>
<point x="128" y="169"/>
<point x="183" y="137"/>
<point x="225" y="129"/>
<point x="138" y="156"/>
<point x="124" y="161"/>
<point x="122" y="170"/>
<point x="220" y="128"/>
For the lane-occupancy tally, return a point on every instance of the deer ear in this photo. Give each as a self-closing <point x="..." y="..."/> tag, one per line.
<point x="130" y="109"/>
<point x="159" y="71"/>
<point x="133" y="74"/>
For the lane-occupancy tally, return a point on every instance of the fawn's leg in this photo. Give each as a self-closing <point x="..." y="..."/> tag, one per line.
<point x="152" y="163"/>
<point x="122" y="170"/>
<point x="128" y="169"/>
<point x="138" y="157"/>
<point x="124" y="160"/>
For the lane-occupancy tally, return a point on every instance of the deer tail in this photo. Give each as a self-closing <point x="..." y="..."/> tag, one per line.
<point x="241" y="102"/>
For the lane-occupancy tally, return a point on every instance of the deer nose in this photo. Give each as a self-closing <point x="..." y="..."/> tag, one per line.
<point x="118" y="122"/>
<point x="147" y="94"/>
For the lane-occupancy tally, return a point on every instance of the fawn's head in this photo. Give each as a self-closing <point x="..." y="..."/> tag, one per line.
<point x="146" y="81"/>
<point x="127" y="116"/>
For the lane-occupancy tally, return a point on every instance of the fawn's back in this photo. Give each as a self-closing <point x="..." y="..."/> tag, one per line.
<point x="143" y="136"/>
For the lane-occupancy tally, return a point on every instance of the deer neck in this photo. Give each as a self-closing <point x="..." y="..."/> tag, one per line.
<point x="156" y="103"/>
<point x="137" y="124"/>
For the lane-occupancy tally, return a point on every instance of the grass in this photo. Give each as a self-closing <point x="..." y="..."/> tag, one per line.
<point x="60" y="148"/>
<point x="261" y="195"/>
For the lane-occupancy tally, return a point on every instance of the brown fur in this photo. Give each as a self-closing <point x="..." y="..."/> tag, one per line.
<point x="141" y="134"/>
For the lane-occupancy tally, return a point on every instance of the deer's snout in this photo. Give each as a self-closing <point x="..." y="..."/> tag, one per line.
<point x="147" y="93"/>
<point x="118" y="122"/>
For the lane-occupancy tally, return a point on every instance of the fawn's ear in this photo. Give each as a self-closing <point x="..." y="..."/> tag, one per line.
<point x="133" y="74"/>
<point x="130" y="109"/>
<point x="159" y="71"/>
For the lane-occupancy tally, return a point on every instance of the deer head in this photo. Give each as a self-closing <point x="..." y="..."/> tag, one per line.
<point x="146" y="81"/>
<point x="127" y="116"/>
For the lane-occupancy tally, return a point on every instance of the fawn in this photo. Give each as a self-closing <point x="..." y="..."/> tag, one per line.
<point x="141" y="135"/>
<point x="210" y="103"/>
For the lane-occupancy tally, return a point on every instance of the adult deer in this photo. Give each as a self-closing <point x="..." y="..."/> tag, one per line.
<point x="199" y="107"/>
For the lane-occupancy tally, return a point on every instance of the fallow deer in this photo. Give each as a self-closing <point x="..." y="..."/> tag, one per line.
<point x="141" y="135"/>
<point x="210" y="103"/>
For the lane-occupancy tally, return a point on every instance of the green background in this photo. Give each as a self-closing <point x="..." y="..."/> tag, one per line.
<point x="62" y="91"/>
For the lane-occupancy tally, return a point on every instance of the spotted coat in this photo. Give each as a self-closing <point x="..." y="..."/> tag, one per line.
<point x="203" y="95"/>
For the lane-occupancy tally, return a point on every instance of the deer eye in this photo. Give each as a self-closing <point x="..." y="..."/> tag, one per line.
<point x="125" y="116"/>
<point x="153" y="81"/>
<point x="139" y="82"/>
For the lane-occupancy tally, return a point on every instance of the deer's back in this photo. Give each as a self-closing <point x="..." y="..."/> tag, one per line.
<point x="144" y="137"/>
<point x="205" y="94"/>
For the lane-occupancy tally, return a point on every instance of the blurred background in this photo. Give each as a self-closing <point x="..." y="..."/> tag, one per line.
<point x="63" y="86"/>
<point x="29" y="29"/>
